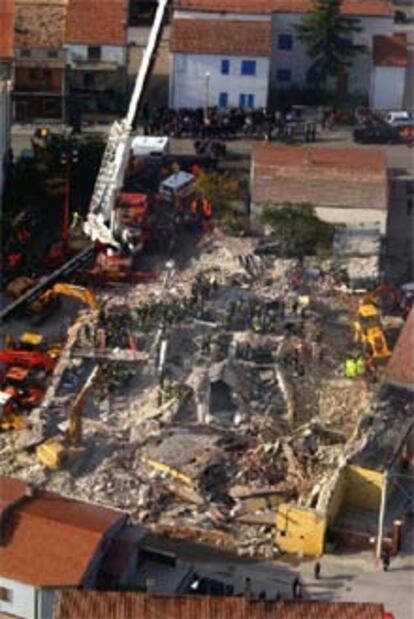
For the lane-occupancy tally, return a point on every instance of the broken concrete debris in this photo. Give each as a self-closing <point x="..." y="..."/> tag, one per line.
<point x="222" y="396"/>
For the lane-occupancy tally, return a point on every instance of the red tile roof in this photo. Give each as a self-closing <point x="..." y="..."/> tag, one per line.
<point x="400" y="368"/>
<point x="350" y="7"/>
<point x="97" y="22"/>
<point x="348" y="177"/>
<point x="47" y="539"/>
<point x="40" y="24"/>
<point x="6" y="28"/>
<point x="221" y="37"/>
<point x="342" y="160"/>
<point x="390" y="51"/>
<point x="96" y="605"/>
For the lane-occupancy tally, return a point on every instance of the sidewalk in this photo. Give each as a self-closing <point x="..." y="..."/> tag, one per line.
<point x="358" y="578"/>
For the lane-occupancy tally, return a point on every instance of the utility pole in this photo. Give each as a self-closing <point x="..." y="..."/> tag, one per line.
<point x="381" y="517"/>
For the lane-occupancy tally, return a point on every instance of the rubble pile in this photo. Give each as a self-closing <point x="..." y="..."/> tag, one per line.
<point x="222" y="396"/>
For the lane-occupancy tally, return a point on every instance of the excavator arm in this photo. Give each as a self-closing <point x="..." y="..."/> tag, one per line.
<point x="75" y="412"/>
<point x="77" y="292"/>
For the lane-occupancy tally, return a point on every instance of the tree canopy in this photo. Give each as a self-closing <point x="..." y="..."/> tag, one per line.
<point x="328" y="37"/>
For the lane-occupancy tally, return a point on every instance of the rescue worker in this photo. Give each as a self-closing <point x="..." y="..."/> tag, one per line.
<point x="76" y="220"/>
<point x="385" y="557"/>
<point x="360" y="366"/>
<point x="13" y="259"/>
<point x="350" y="368"/>
<point x="207" y="211"/>
<point x="257" y="325"/>
<point x="23" y="235"/>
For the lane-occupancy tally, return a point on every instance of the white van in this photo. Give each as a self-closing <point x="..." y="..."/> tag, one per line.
<point x="150" y="146"/>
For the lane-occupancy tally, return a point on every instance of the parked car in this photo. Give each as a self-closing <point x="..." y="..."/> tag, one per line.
<point x="399" y="118"/>
<point x="376" y="135"/>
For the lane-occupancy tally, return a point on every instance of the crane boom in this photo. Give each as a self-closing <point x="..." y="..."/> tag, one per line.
<point x="99" y="225"/>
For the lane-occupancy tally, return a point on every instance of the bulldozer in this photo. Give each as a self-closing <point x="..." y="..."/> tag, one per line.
<point x="368" y="331"/>
<point x="54" y="452"/>
<point x="46" y="303"/>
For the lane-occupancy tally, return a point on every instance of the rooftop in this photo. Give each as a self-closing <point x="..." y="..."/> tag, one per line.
<point x="221" y="37"/>
<point x="400" y="369"/>
<point x="344" y="161"/>
<point x="95" y="605"/>
<point x="390" y="51"/>
<point x="40" y="23"/>
<point x="351" y="7"/>
<point x="6" y="28"/>
<point x="74" y="531"/>
<point x="325" y="177"/>
<point x="97" y="22"/>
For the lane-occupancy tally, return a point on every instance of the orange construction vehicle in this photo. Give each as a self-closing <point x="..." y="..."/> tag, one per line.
<point x="28" y="359"/>
<point x="368" y="331"/>
<point x="22" y="387"/>
<point x="48" y="301"/>
<point x="54" y="452"/>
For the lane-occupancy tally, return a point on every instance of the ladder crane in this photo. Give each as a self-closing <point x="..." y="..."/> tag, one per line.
<point x="100" y="221"/>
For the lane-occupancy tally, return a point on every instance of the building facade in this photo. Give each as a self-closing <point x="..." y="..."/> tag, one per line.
<point x="224" y="64"/>
<point x="39" y="59"/>
<point x="388" y="77"/>
<point x="287" y="61"/>
<point x="96" y="44"/>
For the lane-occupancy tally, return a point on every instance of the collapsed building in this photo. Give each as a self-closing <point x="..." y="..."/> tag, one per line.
<point x="222" y="401"/>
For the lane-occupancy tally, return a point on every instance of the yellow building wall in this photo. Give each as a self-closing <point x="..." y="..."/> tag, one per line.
<point x="299" y="530"/>
<point x="337" y="498"/>
<point x="363" y="487"/>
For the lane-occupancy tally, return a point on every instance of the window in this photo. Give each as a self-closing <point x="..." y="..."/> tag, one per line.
<point x="25" y="53"/>
<point x="52" y="53"/>
<point x="248" y="67"/>
<point x="225" y="66"/>
<point x="6" y="595"/>
<point x="285" y="42"/>
<point x="246" y="100"/>
<point x="40" y="75"/>
<point x="94" y="52"/>
<point x="223" y="99"/>
<point x="284" y="75"/>
<point x="88" y="80"/>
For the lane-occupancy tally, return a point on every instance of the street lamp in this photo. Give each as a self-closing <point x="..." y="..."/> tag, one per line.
<point x="207" y="76"/>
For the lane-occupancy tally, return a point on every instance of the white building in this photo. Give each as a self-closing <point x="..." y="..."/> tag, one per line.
<point x="5" y="123"/>
<point x="220" y="63"/>
<point x="389" y="72"/>
<point x="288" y="61"/>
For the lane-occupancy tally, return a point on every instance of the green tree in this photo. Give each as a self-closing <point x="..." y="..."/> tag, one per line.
<point x="219" y="189"/>
<point x="328" y="37"/>
<point x="298" y="228"/>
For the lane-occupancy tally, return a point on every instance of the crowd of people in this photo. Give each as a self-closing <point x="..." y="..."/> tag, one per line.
<point x="227" y="124"/>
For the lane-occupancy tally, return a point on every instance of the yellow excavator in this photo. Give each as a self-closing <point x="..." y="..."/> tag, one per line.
<point x="368" y="331"/>
<point x="47" y="301"/>
<point x="54" y="452"/>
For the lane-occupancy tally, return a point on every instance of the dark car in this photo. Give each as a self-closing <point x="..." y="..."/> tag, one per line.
<point x="376" y="135"/>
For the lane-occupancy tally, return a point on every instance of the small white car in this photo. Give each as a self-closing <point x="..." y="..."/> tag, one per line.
<point x="399" y="119"/>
